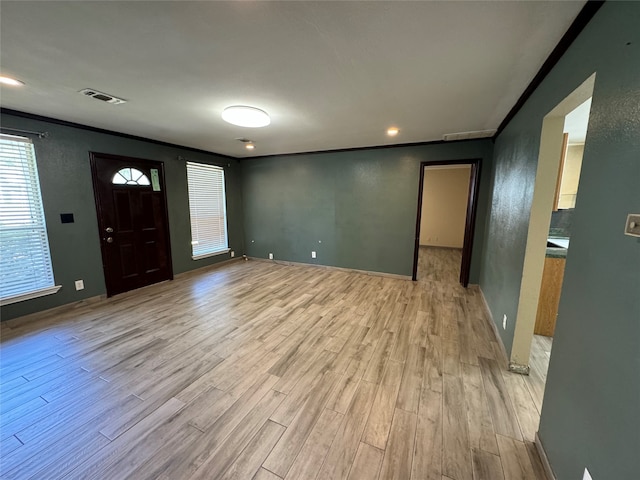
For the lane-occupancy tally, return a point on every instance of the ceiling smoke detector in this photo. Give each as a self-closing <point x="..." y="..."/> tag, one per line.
<point x="105" y="97"/>
<point x="469" y="135"/>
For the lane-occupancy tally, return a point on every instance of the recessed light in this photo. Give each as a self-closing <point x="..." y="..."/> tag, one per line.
<point x="249" y="146"/>
<point x="244" y="116"/>
<point x="392" y="132"/>
<point x="11" y="81"/>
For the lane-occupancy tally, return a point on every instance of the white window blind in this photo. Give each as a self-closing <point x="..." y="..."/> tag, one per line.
<point x="25" y="262"/>
<point x="207" y="207"/>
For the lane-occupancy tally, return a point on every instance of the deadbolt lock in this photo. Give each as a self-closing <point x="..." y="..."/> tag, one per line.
<point x="108" y="230"/>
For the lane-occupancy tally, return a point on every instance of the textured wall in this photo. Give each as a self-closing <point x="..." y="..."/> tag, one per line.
<point x="361" y="205"/>
<point x="65" y="178"/>
<point x="592" y="398"/>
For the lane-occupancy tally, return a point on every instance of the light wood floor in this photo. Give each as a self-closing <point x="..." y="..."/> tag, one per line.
<point x="266" y="371"/>
<point x="438" y="264"/>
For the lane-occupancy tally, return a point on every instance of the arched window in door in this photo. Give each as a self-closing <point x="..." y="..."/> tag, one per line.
<point x="130" y="176"/>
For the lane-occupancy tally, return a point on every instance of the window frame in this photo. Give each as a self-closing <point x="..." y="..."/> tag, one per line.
<point x="28" y="169"/>
<point x="198" y="168"/>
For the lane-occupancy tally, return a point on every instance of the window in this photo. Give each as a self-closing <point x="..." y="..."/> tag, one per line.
<point x="130" y="176"/>
<point x="207" y="207"/>
<point x="25" y="262"/>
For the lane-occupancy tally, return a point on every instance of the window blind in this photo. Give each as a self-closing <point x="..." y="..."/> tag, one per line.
<point x="207" y="207"/>
<point x="25" y="261"/>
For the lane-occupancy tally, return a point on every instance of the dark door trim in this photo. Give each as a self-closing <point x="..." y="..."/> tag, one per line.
<point x="93" y="156"/>
<point x="474" y="183"/>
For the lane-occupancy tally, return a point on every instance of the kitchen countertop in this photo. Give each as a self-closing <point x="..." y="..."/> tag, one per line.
<point x="553" y="252"/>
<point x="561" y="250"/>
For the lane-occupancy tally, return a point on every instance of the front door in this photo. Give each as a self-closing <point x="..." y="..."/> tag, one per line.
<point x="132" y="218"/>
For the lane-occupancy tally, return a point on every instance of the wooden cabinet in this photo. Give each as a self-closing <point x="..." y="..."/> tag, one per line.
<point x="549" y="296"/>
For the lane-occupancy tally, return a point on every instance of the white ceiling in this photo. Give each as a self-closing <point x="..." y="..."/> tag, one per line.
<point x="331" y="74"/>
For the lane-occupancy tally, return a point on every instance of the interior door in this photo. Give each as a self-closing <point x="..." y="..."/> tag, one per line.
<point x="132" y="218"/>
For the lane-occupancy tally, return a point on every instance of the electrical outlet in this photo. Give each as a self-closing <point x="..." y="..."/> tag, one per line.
<point x="504" y="322"/>
<point x="313" y="254"/>
<point x="233" y="254"/>
<point x="587" y="475"/>
<point x="632" y="227"/>
<point x="79" y="284"/>
<point x="271" y="256"/>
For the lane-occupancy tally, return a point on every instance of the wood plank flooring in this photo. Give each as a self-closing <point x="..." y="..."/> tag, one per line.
<point x="257" y="370"/>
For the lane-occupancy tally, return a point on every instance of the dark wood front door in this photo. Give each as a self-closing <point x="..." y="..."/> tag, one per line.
<point x="132" y="218"/>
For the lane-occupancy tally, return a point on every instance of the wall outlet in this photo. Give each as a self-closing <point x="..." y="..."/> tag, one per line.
<point x="313" y="254"/>
<point x="233" y="254"/>
<point x="504" y="322"/>
<point x="632" y="227"/>
<point x="271" y="256"/>
<point x="79" y="284"/>
<point x="587" y="475"/>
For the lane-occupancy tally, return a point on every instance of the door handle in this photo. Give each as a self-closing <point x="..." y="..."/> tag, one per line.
<point x="108" y="230"/>
<point x="109" y="239"/>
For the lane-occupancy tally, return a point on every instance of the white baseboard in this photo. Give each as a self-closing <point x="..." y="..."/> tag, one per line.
<point x="545" y="460"/>
<point x="489" y="317"/>
<point x="213" y="266"/>
<point x="331" y="267"/>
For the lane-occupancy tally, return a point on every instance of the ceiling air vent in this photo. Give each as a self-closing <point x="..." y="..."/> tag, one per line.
<point x="105" y="97"/>
<point x="469" y="135"/>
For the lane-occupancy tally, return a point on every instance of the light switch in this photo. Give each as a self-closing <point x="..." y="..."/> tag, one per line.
<point x="632" y="227"/>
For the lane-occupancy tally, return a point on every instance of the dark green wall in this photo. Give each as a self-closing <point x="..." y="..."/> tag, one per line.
<point x="65" y="178"/>
<point x="590" y="415"/>
<point x="361" y="205"/>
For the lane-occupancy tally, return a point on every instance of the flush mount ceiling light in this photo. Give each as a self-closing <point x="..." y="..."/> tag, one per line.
<point x="249" y="146"/>
<point x="244" y="116"/>
<point x="11" y="81"/>
<point x="392" y="132"/>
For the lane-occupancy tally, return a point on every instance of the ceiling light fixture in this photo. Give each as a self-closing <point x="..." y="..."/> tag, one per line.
<point x="249" y="146"/>
<point x="392" y="132"/>
<point x="11" y="81"/>
<point x="244" y="116"/>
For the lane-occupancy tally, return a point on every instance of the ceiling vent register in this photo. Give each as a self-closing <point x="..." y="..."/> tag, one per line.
<point x="468" y="135"/>
<point x="105" y="97"/>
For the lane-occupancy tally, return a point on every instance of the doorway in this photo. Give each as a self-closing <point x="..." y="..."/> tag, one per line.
<point x="553" y="143"/>
<point x="132" y="219"/>
<point x="450" y="236"/>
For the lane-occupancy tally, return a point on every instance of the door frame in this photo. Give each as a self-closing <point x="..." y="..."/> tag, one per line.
<point x="470" y="221"/>
<point x="550" y="147"/>
<point x="93" y="157"/>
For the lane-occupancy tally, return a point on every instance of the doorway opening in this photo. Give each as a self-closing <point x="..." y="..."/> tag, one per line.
<point x="132" y="219"/>
<point x="447" y="202"/>
<point x="562" y="143"/>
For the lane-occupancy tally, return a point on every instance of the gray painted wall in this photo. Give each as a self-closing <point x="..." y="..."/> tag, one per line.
<point x="356" y="209"/>
<point x="65" y="178"/>
<point x="590" y="416"/>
